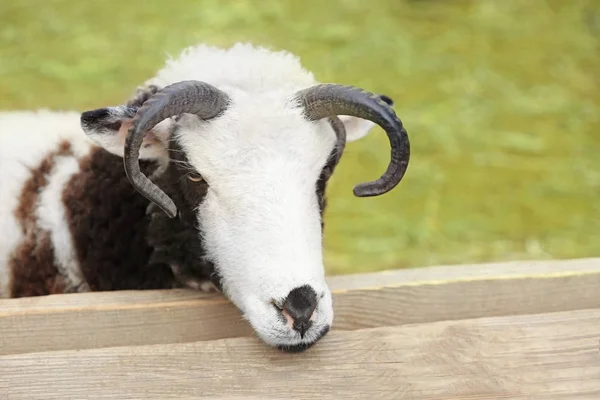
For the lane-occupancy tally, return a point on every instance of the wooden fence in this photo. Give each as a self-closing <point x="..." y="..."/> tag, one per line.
<point x="522" y="330"/>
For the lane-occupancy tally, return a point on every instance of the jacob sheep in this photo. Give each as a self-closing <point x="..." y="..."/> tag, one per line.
<point x="214" y="172"/>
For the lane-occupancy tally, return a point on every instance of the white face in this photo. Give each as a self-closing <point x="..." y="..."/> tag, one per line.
<point x="260" y="220"/>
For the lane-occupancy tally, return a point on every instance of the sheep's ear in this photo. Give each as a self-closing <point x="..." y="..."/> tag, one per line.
<point x="108" y="127"/>
<point x="357" y="128"/>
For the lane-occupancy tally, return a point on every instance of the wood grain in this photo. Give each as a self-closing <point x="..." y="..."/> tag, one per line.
<point x="95" y="320"/>
<point x="104" y="323"/>
<point x="543" y="356"/>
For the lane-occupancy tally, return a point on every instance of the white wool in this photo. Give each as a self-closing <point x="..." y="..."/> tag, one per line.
<point x="249" y="68"/>
<point x="51" y="215"/>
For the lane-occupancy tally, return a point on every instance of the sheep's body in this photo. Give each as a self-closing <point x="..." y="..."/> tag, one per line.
<point x="246" y="183"/>
<point x="39" y="153"/>
<point x="49" y="171"/>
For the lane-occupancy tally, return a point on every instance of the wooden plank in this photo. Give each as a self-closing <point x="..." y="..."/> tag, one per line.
<point x="94" y="320"/>
<point x="443" y="274"/>
<point x="543" y="356"/>
<point x="66" y="302"/>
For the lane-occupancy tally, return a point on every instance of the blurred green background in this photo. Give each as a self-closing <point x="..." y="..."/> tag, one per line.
<point x="500" y="99"/>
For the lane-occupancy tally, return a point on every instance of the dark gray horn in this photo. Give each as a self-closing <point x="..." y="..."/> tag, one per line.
<point x="327" y="100"/>
<point x="340" y="140"/>
<point x="191" y="97"/>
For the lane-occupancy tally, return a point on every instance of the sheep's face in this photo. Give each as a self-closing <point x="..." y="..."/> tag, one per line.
<point x="261" y="216"/>
<point x="252" y="182"/>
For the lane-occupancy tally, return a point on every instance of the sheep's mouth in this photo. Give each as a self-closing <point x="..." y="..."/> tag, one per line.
<point x="301" y="347"/>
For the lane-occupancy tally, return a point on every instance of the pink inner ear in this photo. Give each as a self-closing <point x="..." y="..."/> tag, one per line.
<point x="149" y="140"/>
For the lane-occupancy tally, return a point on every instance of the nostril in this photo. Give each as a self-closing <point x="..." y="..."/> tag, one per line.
<point x="300" y="305"/>
<point x="302" y="327"/>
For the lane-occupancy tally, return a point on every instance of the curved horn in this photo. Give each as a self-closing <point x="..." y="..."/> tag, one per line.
<point x="327" y="100"/>
<point x="190" y="97"/>
<point x="340" y="139"/>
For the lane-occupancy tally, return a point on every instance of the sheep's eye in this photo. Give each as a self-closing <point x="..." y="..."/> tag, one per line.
<point x="195" y="177"/>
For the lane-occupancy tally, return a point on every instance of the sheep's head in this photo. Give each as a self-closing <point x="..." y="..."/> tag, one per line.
<point x="248" y="172"/>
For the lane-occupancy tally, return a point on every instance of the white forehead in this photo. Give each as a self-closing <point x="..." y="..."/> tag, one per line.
<point x="259" y="136"/>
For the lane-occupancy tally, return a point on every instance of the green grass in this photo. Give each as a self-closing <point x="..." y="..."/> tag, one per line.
<point x="500" y="99"/>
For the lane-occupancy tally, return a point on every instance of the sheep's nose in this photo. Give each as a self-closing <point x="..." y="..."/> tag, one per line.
<point x="299" y="306"/>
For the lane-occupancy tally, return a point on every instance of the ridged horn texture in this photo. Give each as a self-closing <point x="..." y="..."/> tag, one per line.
<point x="327" y="100"/>
<point x="340" y="143"/>
<point x="191" y="97"/>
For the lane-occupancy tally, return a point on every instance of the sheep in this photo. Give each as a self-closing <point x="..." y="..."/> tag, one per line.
<point x="213" y="174"/>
